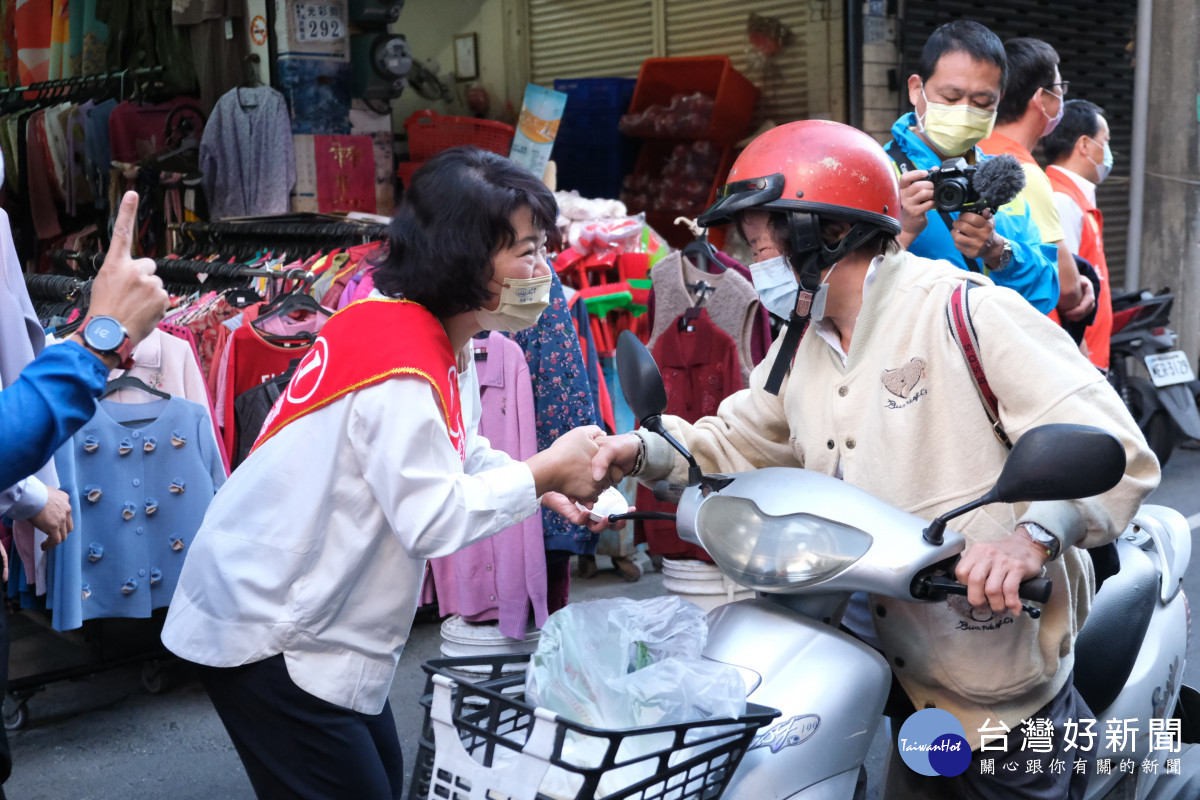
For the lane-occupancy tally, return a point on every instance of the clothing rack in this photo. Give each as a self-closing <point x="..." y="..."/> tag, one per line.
<point x="61" y="288"/>
<point x="295" y="233"/>
<point x="173" y="270"/>
<point x="67" y="86"/>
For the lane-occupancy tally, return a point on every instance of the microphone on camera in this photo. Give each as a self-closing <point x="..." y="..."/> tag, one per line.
<point x="998" y="180"/>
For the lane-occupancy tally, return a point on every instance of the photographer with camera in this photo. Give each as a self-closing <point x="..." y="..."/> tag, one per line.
<point x="1032" y="105"/>
<point x="956" y="91"/>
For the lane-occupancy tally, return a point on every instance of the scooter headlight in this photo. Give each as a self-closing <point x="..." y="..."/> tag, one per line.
<point x="775" y="554"/>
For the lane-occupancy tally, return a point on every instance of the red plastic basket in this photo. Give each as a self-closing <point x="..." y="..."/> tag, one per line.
<point x="733" y="94"/>
<point x="429" y="133"/>
<point x="405" y="170"/>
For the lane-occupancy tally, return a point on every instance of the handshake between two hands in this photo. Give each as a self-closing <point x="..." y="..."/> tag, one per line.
<point x="580" y="465"/>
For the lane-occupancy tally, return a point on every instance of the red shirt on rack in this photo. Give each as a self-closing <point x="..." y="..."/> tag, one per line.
<point x="252" y="360"/>
<point x="700" y="368"/>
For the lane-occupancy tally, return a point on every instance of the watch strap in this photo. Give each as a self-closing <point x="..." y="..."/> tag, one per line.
<point x="1044" y="538"/>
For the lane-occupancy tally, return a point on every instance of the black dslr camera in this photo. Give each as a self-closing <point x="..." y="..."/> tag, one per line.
<point x="954" y="187"/>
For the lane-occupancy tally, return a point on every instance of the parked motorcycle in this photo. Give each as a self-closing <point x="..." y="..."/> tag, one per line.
<point x="1164" y="405"/>
<point x="806" y="541"/>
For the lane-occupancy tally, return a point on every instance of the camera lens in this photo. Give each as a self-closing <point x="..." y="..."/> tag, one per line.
<point x="949" y="194"/>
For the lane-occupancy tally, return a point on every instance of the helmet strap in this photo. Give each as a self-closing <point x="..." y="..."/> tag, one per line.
<point x="808" y="257"/>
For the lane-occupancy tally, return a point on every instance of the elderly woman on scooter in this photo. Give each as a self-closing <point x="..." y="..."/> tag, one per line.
<point x="868" y="384"/>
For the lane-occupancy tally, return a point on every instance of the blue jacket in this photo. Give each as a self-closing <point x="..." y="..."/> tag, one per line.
<point x="54" y="396"/>
<point x="1033" y="271"/>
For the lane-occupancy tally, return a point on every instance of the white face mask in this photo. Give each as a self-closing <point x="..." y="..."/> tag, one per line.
<point x="778" y="288"/>
<point x="776" y="285"/>
<point x="955" y="129"/>
<point x="1105" y="166"/>
<point x="522" y="301"/>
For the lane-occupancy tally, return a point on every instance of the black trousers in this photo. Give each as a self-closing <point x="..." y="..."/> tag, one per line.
<point x="295" y="745"/>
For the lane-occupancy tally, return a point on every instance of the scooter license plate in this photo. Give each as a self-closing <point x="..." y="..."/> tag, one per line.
<point x="1167" y="369"/>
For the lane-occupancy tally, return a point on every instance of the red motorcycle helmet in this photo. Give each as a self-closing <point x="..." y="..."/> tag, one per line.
<point x="813" y="166"/>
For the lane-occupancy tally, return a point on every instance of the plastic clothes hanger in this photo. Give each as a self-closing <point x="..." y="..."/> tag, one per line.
<point x="700" y="251"/>
<point x="687" y="320"/>
<point x="131" y="382"/>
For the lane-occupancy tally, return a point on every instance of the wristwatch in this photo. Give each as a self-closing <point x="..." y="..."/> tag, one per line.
<point x="1006" y="253"/>
<point x="1045" y="538"/>
<point x="108" y="337"/>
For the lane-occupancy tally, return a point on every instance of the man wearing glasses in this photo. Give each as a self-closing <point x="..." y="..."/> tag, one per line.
<point x="1032" y="105"/>
<point x="955" y="93"/>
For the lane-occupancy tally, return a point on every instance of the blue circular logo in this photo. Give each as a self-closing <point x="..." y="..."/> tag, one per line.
<point x="933" y="742"/>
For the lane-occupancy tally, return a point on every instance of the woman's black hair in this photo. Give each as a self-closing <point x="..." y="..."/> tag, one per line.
<point x="455" y="216"/>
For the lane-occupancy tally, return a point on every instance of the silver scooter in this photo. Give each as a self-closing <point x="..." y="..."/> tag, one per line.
<point x="805" y="542"/>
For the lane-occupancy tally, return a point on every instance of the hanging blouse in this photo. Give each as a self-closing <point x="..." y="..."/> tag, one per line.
<point x="562" y="399"/>
<point x="501" y="577"/>
<point x="142" y="491"/>
<point x="733" y="306"/>
<point x="246" y="154"/>
<point x="252" y="360"/>
<point x="700" y="368"/>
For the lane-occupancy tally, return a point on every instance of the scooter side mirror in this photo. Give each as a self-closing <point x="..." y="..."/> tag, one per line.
<point x="1050" y="462"/>
<point x="1060" y="462"/>
<point x="641" y="382"/>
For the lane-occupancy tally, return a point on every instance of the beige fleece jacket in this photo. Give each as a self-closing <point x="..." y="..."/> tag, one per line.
<point x="904" y="419"/>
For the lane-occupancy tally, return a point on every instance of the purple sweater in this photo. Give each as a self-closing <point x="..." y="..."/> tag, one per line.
<point x="502" y="576"/>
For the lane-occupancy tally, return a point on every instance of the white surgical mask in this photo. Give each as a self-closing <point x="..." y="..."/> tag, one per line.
<point x="1105" y="166"/>
<point x="776" y="285"/>
<point x="1052" y="122"/>
<point x="522" y="301"/>
<point x="955" y="129"/>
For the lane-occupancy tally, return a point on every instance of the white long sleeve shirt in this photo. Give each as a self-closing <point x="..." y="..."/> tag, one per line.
<point x="316" y="546"/>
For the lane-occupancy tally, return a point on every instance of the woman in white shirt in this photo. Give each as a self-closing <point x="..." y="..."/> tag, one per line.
<point x="299" y="590"/>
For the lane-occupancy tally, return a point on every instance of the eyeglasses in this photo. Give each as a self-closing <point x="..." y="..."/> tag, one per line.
<point x="1063" y="86"/>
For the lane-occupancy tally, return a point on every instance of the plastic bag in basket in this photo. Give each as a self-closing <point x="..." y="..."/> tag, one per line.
<point x="620" y="663"/>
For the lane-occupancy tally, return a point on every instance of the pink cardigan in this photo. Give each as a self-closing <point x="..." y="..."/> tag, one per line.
<point x="502" y="576"/>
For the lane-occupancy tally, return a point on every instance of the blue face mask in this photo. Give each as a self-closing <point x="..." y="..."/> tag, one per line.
<point x="776" y="285"/>
<point x="1106" y="165"/>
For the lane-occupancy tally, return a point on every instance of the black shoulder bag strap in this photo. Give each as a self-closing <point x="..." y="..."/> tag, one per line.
<point x="893" y="150"/>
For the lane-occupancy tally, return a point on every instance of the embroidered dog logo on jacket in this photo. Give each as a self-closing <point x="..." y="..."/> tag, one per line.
<point x="902" y="381"/>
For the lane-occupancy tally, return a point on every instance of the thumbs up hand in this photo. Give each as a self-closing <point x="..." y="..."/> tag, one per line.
<point x="127" y="288"/>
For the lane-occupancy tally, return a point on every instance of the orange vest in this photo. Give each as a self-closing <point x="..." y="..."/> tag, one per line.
<point x="1091" y="248"/>
<point x="367" y="342"/>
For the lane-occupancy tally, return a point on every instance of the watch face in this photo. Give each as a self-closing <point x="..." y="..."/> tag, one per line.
<point x="104" y="334"/>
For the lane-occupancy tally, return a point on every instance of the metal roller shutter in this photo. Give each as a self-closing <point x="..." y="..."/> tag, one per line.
<point x="585" y="38"/>
<point x="1095" y="49"/>
<point x="717" y="27"/>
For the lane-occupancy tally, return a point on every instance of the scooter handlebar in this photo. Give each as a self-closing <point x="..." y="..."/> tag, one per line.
<point x="936" y="587"/>
<point x="1036" y="589"/>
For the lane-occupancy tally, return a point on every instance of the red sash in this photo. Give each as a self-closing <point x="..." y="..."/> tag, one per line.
<point x="365" y="343"/>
